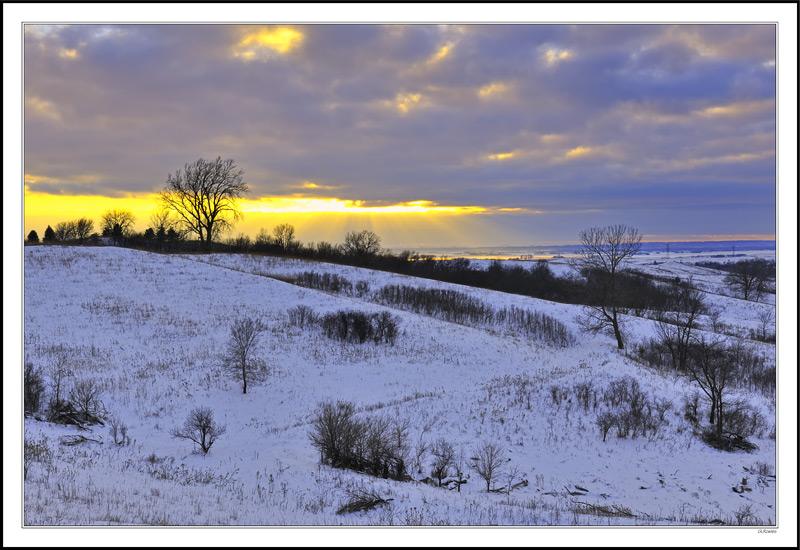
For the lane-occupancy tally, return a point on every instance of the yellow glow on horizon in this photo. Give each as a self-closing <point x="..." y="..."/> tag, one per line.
<point x="311" y="205"/>
<point x="281" y="40"/>
<point x="71" y="54"/>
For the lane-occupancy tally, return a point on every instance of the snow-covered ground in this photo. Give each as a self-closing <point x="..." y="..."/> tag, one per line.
<point x="150" y="328"/>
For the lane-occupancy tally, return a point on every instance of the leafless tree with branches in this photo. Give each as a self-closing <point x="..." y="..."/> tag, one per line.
<point x="239" y="351"/>
<point x="488" y="462"/>
<point x="204" y="195"/>
<point x="200" y="428"/>
<point x="600" y="259"/>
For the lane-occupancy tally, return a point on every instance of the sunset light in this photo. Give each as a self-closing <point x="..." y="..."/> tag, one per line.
<point x="527" y="132"/>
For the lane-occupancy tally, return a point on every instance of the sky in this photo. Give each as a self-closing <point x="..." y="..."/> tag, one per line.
<point x="429" y="134"/>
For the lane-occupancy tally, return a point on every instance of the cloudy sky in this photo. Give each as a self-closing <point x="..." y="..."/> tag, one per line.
<point x="433" y="135"/>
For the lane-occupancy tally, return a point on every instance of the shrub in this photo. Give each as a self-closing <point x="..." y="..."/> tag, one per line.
<point x="358" y="327"/>
<point x="385" y="327"/>
<point x="85" y="397"/>
<point x="375" y="445"/>
<point x="35" y="451"/>
<point x="460" y="307"/>
<point x="33" y="383"/>
<point x="301" y="316"/>
<point x="334" y="433"/>
<point x="200" y="428"/>
<point x="362" y="288"/>
<point x="118" y="431"/>
<point x="630" y="410"/>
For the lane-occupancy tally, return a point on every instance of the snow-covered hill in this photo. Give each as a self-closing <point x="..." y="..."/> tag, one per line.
<point x="149" y="328"/>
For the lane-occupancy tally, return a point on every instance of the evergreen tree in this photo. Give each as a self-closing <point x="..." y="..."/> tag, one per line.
<point x="49" y="235"/>
<point x="33" y="237"/>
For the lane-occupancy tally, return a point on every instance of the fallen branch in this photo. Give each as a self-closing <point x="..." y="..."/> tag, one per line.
<point x="613" y="510"/>
<point x="363" y="500"/>
<point x="71" y="440"/>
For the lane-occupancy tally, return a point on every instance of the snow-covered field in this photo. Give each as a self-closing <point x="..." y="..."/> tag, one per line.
<point x="149" y="328"/>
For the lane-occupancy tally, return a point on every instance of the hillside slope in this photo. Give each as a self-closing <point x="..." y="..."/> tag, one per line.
<point x="149" y="329"/>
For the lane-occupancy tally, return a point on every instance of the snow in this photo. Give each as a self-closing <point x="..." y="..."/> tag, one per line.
<point x="150" y="327"/>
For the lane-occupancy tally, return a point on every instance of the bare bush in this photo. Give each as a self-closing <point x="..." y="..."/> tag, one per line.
<point x="630" y="410"/>
<point x="33" y="387"/>
<point x="118" y="432"/>
<point x="460" y="307"/>
<point x="200" y="428"/>
<point x="358" y="327"/>
<point x="35" y="451"/>
<point x="330" y="282"/>
<point x="302" y="316"/>
<point x="374" y="445"/>
<point x="335" y="431"/>
<point x="85" y="397"/>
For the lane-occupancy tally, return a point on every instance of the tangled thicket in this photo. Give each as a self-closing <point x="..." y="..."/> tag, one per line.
<point x="375" y="445"/>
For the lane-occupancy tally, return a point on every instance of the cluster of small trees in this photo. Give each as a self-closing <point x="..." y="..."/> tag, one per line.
<point x="717" y="366"/>
<point x="349" y="325"/>
<point x="78" y="230"/>
<point x="72" y="400"/>
<point x="626" y="407"/>
<point x="459" y="307"/>
<point x="750" y="279"/>
<point x="379" y="446"/>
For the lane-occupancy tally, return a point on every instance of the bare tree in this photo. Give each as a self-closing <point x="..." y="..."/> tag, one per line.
<point x="711" y="366"/>
<point x="239" y="350"/>
<point x="163" y="222"/>
<point x="600" y="259"/>
<point x="117" y="217"/>
<point x="443" y="456"/>
<point x="200" y="428"/>
<point x="204" y="195"/>
<point x="283" y="235"/>
<point x="58" y="372"/>
<point x="361" y="243"/>
<point x="488" y="462"/>
<point x="766" y="318"/>
<point x="749" y="278"/>
<point x="675" y="326"/>
<point x="263" y="238"/>
<point x="83" y="228"/>
<point x="65" y="231"/>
